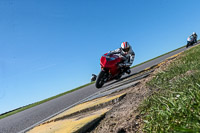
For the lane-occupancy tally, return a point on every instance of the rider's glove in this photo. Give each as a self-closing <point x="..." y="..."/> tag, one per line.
<point x="123" y="58"/>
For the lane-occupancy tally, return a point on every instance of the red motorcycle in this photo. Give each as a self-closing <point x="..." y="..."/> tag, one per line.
<point x="109" y="69"/>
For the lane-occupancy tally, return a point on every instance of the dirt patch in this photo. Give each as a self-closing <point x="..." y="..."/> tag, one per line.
<point x="125" y="117"/>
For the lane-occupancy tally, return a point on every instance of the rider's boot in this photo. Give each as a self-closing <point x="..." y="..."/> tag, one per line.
<point x="128" y="71"/>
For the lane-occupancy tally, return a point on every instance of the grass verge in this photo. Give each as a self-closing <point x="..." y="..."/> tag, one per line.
<point x="175" y="104"/>
<point x="40" y="102"/>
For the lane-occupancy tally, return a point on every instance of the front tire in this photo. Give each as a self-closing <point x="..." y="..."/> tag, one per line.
<point x="100" y="79"/>
<point x="188" y="44"/>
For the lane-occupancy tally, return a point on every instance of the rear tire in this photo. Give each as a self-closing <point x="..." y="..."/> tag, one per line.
<point x="100" y="79"/>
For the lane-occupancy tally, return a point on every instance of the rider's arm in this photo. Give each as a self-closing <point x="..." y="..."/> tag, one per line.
<point x="117" y="51"/>
<point x="131" y="59"/>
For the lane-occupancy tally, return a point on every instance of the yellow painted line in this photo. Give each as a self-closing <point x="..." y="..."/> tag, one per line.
<point x="69" y="125"/>
<point x="158" y="65"/>
<point x="147" y="68"/>
<point x="161" y="63"/>
<point x="174" y="55"/>
<point x="86" y="105"/>
<point x="63" y="124"/>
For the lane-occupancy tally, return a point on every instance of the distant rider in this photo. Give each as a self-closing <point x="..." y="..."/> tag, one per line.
<point x="125" y="51"/>
<point x="194" y="34"/>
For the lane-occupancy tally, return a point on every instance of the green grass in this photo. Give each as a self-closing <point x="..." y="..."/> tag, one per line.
<point x="40" y="102"/>
<point x="175" y="104"/>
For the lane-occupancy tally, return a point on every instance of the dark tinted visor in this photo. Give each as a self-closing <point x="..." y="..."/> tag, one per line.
<point x="126" y="49"/>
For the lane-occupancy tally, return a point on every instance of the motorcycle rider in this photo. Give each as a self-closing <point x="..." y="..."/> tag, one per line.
<point x="191" y="39"/>
<point x="194" y="36"/>
<point x="127" y="53"/>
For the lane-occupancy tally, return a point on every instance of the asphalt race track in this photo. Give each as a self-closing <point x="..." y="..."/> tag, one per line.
<point x="24" y="120"/>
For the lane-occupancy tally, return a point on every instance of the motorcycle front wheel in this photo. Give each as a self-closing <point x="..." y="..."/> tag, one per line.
<point x="100" y="79"/>
<point x="188" y="44"/>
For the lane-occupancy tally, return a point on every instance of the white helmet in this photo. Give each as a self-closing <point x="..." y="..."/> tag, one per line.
<point x="125" y="46"/>
<point x="193" y="33"/>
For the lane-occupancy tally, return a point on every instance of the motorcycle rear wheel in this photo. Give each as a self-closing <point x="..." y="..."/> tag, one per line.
<point x="100" y="79"/>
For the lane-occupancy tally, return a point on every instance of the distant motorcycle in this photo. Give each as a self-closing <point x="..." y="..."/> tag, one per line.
<point x="109" y="69"/>
<point x="190" y="41"/>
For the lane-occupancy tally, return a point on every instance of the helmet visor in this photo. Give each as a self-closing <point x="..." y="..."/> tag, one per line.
<point x="126" y="49"/>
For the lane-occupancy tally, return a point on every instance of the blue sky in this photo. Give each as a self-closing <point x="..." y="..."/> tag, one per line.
<point x="51" y="46"/>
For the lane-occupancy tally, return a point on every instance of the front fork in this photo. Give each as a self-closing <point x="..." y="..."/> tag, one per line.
<point x="107" y="75"/>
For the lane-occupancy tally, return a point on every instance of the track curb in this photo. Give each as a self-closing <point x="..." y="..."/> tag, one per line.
<point x="88" y="124"/>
